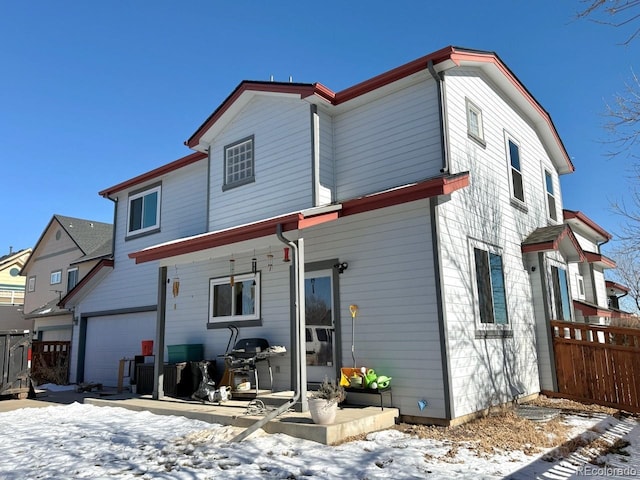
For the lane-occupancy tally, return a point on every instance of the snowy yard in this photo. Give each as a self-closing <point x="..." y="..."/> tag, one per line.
<point x="84" y="441"/>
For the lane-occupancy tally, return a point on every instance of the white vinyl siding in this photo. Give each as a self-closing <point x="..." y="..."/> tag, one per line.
<point x="327" y="167"/>
<point x="389" y="276"/>
<point x="130" y="285"/>
<point x="282" y="162"/>
<point x="391" y="141"/>
<point x="487" y="371"/>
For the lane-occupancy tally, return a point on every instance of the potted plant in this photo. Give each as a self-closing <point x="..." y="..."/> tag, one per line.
<point x="323" y="403"/>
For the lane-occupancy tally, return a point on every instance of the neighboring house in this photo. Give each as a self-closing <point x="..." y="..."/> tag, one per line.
<point x="12" y="286"/>
<point x="115" y="306"/>
<point x="67" y="251"/>
<point x="11" y="282"/>
<point x="428" y="196"/>
<point x="589" y="289"/>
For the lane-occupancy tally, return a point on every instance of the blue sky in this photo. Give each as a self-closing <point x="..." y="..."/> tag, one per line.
<point x="94" y="93"/>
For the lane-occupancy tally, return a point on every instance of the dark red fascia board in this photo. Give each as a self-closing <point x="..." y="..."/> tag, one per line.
<point x="164" y="169"/>
<point x="297" y="221"/>
<point x="418" y="191"/>
<point x="104" y="263"/>
<point x="302" y="89"/>
<point x="617" y="286"/>
<point x="555" y="244"/>
<point x="264" y="228"/>
<point x="591" y="310"/>
<point x="597" y="257"/>
<point x="570" y="214"/>
<point x="455" y="54"/>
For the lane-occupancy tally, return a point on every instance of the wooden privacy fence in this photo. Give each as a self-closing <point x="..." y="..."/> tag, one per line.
<point x="598" y="364"/>
<point x="50" y="362"/>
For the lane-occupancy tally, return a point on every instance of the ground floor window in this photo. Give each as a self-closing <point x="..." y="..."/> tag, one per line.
<point x="234" y="299"/>
<point x="561" y="299"/>
<point x="488" y="274"/>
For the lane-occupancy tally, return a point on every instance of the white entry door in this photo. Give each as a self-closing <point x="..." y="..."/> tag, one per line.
<point x="320" y="325"/>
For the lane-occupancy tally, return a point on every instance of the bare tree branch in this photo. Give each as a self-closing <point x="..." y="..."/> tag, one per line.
<point x="616" y="13"/>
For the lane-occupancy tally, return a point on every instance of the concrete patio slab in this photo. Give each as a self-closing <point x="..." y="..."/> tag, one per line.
<point x="350" y="421"/>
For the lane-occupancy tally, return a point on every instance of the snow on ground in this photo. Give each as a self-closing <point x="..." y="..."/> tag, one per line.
<point x="80" y="441"/>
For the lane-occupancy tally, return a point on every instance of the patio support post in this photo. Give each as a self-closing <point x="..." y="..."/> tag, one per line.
<point x="158" y="369"/>
<point x="299" y="320"/>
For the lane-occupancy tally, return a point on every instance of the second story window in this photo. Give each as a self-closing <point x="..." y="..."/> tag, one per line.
<point x="239" y="163"/>
<point x="513" y="152"/>
<point x="72" y="278"/>
<point x="56" y="277"/>
<point x="31" y="286"/>
<point x="144" y="211"/>
<point x="551" y="199"/>
<point x="474" y="122"/>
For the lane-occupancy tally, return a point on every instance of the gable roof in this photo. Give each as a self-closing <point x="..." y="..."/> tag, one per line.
<point x="13" y="256"/>
<point x="581" y="221"/>
<point x="93" y="239"/>
<point x="88" y="235"/>
<point x="554" y="237"/>
<point x="446" y="58"/>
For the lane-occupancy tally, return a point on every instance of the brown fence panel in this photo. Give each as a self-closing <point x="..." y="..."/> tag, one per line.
<point x="50" y="362"/>
<point x="597" y="363"/>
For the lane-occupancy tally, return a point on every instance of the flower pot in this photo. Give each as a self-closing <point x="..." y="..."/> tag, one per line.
<point x="323" y="412"/>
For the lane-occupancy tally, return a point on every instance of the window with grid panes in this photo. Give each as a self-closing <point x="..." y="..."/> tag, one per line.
<point x="239" y="163"/>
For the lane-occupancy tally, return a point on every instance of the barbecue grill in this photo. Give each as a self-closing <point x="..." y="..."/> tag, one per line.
<point x="242" y="360"/>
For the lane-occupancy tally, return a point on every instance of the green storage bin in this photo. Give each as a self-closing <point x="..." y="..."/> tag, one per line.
<point x="193" y="352"/>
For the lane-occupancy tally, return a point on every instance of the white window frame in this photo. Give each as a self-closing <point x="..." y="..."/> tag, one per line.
<point x="580" y="286"/>
<point x="239" y="163"/>
<point x="56" y="277"/>
<point x="142" y="194"/>
<point x="69" y="271"/>
<point x="31" y="286"/>
<point x="552" y="210"/>
<point x="473" y="109"/>
<point x="513" y="171"/>
<point x="213" y="282"/>
<point x="490" y="249"/>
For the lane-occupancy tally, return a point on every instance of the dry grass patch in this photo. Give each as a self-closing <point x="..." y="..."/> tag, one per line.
<point x="503" y="431"/>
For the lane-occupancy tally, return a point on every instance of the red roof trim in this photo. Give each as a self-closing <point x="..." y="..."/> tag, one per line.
<point x="555" y="244"/>
<point x="302" y="89"/>
<point x="164" y="169"/>
<point x="570" y="214"/>
<point x="589" y="310"/>
<point x="297" y="221"/>
<point x="454" y="54"/>
<point x="264" y="228"/>
<point x="104" y="263"/>
<point x="617" y="286"/>
<point x="418" y="191"/>
<point x="596" y="257"/>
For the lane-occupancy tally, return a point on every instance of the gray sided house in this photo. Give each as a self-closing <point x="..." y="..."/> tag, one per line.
<point x="417" y="195"/>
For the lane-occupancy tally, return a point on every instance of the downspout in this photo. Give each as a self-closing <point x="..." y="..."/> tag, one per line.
<point x="300" y="387"/>
<point x="444" y="128"/>
<point x="113" y="233"/>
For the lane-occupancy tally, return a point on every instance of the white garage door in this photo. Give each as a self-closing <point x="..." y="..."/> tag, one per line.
<point x="111" y="338"/>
